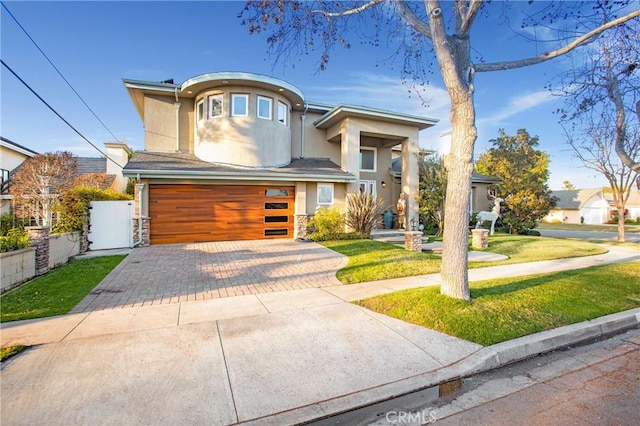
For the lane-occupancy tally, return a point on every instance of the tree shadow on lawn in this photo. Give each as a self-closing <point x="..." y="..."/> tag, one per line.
<point x="519" y="283"/>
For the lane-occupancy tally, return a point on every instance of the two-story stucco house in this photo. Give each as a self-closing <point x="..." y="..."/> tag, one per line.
<point x="232" y="156"/>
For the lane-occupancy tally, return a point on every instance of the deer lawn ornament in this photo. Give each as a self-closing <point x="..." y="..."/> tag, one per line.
<point x="492" y="216"/>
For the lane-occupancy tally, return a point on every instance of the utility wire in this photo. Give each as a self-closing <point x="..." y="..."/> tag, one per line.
<point x="58" y="71"/>
<point x="57" y="113"/>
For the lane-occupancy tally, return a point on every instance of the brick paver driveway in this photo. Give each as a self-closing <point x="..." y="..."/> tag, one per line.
<point x="187" y="272"/>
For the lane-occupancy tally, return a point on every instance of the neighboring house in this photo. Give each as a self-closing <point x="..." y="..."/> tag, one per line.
<point x="11" y="156"/>
<point x="231" y="156"/>
<point x="481" y="192"/>
<point x="580" y="206"/>
<point x="100" y="172"/>
<point x="106" y="173"/>
<point x="632" y="206"/>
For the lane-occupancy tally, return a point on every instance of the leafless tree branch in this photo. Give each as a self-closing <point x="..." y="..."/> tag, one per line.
<point x="586" y="38"/>
<point x="353" y="11"/>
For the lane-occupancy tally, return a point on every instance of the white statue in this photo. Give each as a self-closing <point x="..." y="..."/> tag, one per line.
<point x="492" y="216"/>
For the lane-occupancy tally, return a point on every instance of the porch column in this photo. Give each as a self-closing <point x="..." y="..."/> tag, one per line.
<point x="410" y="179"/>
<point x="350" y="152"/>
<point x="300" y="211"/>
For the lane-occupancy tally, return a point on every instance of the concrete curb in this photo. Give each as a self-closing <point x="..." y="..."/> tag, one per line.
<point x="485" y="359"/>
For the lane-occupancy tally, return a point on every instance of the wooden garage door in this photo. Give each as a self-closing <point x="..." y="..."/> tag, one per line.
<point x="197" y="213"/>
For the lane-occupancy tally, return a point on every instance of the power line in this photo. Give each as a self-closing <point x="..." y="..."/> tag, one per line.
<point x="58" y="71"/>
<point x="56" y="112"/>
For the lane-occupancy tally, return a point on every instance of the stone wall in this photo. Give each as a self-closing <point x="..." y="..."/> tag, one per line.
<point x="146" y="236"/>
<point x="39" y="238"/>
<point x="413" y="240"/>
<point x="17" y="266"/>
<point x="46" y="252"/>
<point x="300" y="225"/>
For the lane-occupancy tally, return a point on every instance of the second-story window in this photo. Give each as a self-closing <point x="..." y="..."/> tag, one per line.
<point x="239" y="105"/>
<point x="215" y="106"/>
<point x="282" y="113"/>
<point x="200" y="110"/>
<point x="264" y="107"/>
<point x="367" y="159"/>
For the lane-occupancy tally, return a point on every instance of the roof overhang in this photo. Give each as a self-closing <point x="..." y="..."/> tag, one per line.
<point x="193" y="86"/>
<point x="16" y="147"/>
<point x="241" y="175"/>
<point x="340" y="112"/>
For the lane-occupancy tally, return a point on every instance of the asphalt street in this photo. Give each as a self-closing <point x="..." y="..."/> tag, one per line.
<point x="631" y="237"/>
<point x="597" y="383"/>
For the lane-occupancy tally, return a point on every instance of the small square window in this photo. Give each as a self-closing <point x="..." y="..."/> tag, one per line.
<point x="239" y="105"/>
<point x="325" y="193"/>
<point x="215" y="106"/>
<point x="283" y="111"/>
<point x="367" y="159"/>
<point x="264" y="107"/>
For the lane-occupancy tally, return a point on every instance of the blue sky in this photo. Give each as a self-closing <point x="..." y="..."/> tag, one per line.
<point x="96" y="44"/>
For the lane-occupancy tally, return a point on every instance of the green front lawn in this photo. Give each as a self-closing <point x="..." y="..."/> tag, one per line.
<point x="520" y="249"/>
<point x="374" y="260"/>
<point x="508" y="308"/>
<point x="56" y="292"/>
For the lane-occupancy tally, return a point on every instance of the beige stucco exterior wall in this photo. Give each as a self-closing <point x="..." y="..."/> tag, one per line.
<point x="186" y="124"/>
<point x="316" y="144"/>
<point x="159" y="123"/>
<point x="243" y="140"/>
<point x="339" y="197"/>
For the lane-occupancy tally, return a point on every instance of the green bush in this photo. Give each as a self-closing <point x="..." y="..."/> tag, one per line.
<point x="16" y="239"/>
<point x="326" y="224"/>
<point x="73" y="206"/>
<point x="6" y="223"/>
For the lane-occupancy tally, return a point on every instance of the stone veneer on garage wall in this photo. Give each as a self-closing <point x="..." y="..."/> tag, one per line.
<point x="146" y="239"/>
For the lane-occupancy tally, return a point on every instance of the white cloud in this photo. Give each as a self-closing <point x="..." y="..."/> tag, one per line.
<point x="517" y="105"/>
<point x="383" y="92"/>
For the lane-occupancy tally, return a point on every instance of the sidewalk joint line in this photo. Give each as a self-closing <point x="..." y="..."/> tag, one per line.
<point x="367" y="313"/>
<point x="257" y="296"/>
<point x="77" y="325"/>
<point x="226" y="367"/>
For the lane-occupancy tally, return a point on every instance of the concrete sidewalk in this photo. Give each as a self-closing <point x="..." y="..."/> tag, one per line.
<point x="271" y="358"/>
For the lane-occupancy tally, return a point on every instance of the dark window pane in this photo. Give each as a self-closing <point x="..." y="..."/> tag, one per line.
<point x="276" y="193"/>
<point x="274" y="219"/>
<point x="272" y="232"/>
<point x="276" y="206"/>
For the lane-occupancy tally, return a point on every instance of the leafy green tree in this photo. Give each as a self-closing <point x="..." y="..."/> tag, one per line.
<point x="524" y="172"/>
<point x="566" y="185"/>
<point x="433" y="189"/>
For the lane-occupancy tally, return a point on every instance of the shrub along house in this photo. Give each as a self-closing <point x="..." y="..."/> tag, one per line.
<point x="232" y="156"/>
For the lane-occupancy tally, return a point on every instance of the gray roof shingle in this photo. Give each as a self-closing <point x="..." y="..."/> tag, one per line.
<point x="188" y="162"/>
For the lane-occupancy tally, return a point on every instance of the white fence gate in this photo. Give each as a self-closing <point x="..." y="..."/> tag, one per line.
<point x="111" y="224"/>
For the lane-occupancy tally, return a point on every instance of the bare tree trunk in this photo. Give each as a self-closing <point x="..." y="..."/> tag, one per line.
<point x="459" y="164"/>
<point x="620" y="224"/>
